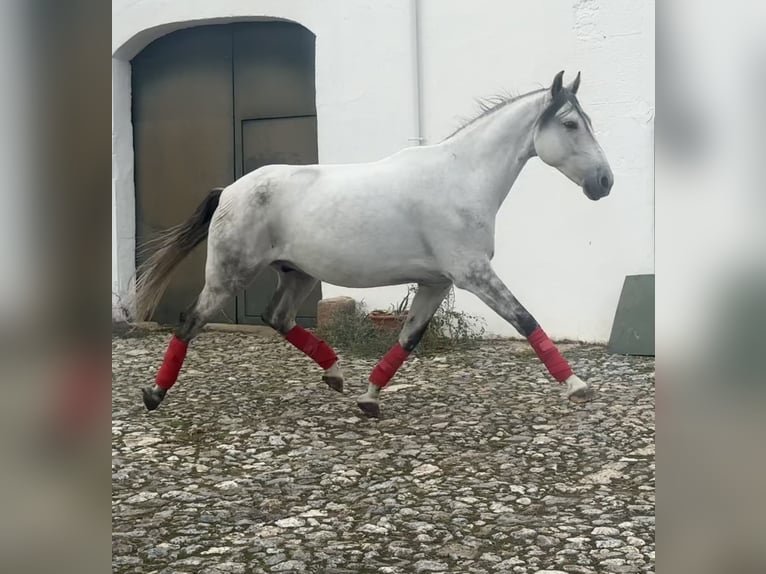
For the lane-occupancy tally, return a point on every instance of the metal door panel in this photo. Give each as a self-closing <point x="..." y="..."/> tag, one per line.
<point x="273" y="70"/>
<point x="184" y="145"/>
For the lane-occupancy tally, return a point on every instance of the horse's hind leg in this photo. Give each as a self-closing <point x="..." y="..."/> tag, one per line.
<point x="293" y="288"/>
<point x="424" y="305"/>
<point x="220" y="285"/>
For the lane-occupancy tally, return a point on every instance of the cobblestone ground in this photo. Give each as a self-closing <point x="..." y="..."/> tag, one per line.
<point x="477" y="466"/>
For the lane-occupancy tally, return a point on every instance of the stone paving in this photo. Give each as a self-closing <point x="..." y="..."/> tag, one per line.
<point x="478" y="465"/>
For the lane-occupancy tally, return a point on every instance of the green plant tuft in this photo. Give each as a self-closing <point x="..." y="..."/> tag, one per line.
<point x="449" y="330"/>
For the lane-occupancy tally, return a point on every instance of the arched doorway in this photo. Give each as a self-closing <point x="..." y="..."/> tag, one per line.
<point x="210" y="104"/>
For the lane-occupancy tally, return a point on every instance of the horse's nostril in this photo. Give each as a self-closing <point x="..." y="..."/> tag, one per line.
<point x="604" y="181"/>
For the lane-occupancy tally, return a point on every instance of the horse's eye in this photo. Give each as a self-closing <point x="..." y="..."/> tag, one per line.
<point x="570" y="125"/>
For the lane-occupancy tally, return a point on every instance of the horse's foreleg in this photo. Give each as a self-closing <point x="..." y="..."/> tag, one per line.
<point x="424" y="305"/>
<point x="480" y="279"/>
<point x="292" y="289"/>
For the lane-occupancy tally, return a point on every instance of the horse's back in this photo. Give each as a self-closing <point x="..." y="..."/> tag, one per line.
<point x="335" y="220"/>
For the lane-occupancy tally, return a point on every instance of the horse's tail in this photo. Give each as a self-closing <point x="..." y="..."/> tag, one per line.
<point x="166" y="251"/>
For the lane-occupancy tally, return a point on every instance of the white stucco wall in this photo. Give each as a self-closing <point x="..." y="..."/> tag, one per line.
<point x="564" y="256"/>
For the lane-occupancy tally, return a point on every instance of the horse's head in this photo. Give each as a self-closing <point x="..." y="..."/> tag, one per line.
<point x="564" y="139"/>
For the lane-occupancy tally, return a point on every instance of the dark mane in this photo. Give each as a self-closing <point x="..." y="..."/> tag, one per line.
<point x="489" y="105"/>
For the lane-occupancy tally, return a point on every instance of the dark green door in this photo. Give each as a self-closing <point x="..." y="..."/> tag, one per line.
<point x="210" y="104"/>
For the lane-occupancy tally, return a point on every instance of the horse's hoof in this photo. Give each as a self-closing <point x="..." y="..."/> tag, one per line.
<point x="369" y="406"/>
<point x="581" y="396"/>
<point x="153" y="396"/>
<point x="335" y="383"/>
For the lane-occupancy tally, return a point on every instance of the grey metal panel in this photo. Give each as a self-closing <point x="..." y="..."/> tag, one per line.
<point x="291" y="140"/>
<point x="184" y="145"/>
<point x="633" y="328"/>
<point x="273" y="70"/>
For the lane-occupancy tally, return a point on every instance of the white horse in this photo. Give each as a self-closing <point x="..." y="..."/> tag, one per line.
<point x="424" y="215"/>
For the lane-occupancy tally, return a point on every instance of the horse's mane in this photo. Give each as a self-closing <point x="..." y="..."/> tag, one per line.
<point x="489" y="105"/>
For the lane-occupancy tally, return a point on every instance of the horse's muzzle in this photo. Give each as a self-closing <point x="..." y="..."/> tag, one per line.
<point x="599" y="184"/>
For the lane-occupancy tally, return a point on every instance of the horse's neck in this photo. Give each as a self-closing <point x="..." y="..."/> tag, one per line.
<point x="498" y="146"/>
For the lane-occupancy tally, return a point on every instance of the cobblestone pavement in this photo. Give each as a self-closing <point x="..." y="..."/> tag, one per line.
<point x="478" y="465"/>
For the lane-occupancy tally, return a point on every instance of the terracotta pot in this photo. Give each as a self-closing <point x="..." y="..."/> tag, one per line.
<point x="387" y="321"/>
<point x="329" y="309"/>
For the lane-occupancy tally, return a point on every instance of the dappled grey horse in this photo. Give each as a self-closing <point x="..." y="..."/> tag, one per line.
<point x="424" y="215"/>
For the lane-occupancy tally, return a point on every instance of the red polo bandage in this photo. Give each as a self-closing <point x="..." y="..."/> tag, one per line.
<point x="388" y="365"/>
<point x="314" y="347"/>
<point x="171" y="364"/>
<point x="549" y="354"/>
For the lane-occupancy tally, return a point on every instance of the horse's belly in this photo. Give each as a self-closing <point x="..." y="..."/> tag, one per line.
<point x="378" y="278"/>
<point x="357" y="238"/>
<point x="355" y="266"/>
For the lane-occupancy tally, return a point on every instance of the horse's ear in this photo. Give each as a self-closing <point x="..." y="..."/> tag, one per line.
<point x="575" y="85"/>
<point x="558" y="81"/>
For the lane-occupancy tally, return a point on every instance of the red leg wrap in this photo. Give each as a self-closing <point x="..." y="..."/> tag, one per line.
<point x="388" y="365"/>
<point x="171" y="365"/>
<point x="549" y="354"/>
<point x="314" y="347"/>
